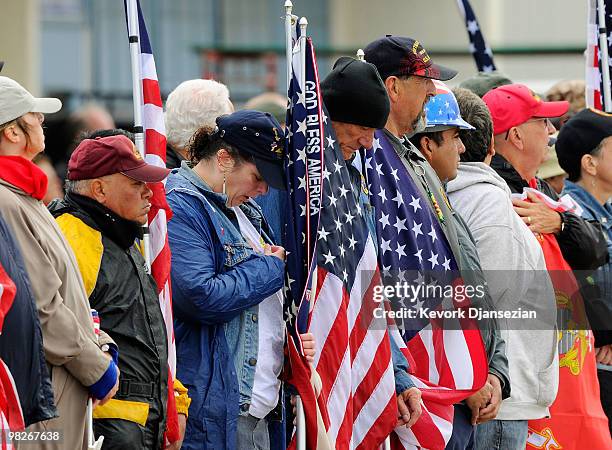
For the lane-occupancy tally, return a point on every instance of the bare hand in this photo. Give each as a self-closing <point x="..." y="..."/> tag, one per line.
<point x="182" y="422"/>
<point x="409" y="407"/>
<point x="538" y="217"/>
<point x="603" y="355"/>
<point x="490" y="411"/>
<point x="308" y="344"/>
<point x="479" y="400"/>
<point x="275" y="250"/>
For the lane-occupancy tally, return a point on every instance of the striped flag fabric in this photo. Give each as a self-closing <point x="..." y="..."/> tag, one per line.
<point x="483" y="56"/>
<point x="349" y="391"/>
<point x="593" y="69"/>
<point x="160" y="212"/>
<point x="11" y="415"/>
<point x="447" y="357"/>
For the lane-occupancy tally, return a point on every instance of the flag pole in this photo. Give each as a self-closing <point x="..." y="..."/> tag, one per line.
<point x="301" y="417"/>
<point x="360" y="55"/>
<point x="303" y="26"/>
<point x="133" y="32"/>
<point x="605" y="57"/>
<point x="288" y="39"/>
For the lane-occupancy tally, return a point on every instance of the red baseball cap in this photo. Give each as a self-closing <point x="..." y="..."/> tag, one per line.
<point x="514" y="104"/>
<point x="94" y="158"/>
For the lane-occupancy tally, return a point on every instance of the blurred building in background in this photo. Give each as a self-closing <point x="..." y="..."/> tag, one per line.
<point x="77" y="49"/>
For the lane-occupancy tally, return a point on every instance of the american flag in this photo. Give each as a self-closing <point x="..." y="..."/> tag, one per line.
<point x="11" y="415"/>
<point x="448" y="362"/>
<point x="349" y="397"/>
<point x="593" y="75"/>
<point x="483" y="56"/>
<point x="160" y="213"/>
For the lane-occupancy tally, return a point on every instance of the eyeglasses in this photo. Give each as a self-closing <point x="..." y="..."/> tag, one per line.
<point x="545" y="121"/>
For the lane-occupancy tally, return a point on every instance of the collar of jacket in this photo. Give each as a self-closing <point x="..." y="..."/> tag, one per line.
<point x="250" y="208"/>
<point x="601" y="213"/>
<point x="505" y="170"/>
<point x="121" y="231"/>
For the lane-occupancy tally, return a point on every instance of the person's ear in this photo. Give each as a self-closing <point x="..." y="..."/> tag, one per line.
<point x="588" y="164"/>
<point x="97" y="190"/>
<point x="427" y="146"/>
<point x="393" y="88"/>
<point x="225" y="161"/>
<point x="516" y="138"/>
<point x="10" y="133"/>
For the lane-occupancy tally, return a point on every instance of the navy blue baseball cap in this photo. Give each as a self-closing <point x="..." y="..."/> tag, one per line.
<point x="259" y="135"/>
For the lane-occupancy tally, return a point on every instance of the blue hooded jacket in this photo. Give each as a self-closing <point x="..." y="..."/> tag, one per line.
<point x="216" y="279"/>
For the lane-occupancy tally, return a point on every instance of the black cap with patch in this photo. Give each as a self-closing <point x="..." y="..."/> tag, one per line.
<point x="403" y="56"/>
<point x="259" y="135"/>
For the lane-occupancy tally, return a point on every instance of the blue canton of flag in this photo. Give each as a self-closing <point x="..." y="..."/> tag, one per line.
<point x="478" y="48"/>
<point x="340" y="235"/>
<point x="412" y="246"/>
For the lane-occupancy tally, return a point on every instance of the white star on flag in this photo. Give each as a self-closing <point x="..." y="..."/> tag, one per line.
<point x="432" y="234"/>
<point x="301" y="127"/>
<point x="385" y="246"/>
<point x="433" y="260"/>
<point x="382" y="195"/>
<point x="399" y="199"/>
<point x="400" y="250"/>
<point x="375" y="145"/>
<point x="472" y="26"/>
<point x="384" y="220"/>
<point x="415" y="203"/>
<point x="416" y="229"/>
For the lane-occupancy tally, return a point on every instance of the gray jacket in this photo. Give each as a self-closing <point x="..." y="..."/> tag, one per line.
<point x="515" y="271"/>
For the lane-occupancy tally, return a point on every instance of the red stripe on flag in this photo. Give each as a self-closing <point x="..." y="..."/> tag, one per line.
<point x="150" y="92"/>
<point x="155" y="143"/>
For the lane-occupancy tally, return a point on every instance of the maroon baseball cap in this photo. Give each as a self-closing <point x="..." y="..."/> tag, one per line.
<point x="404" y="56"/>
<point x="95" y="158"/>
<point x="514" y="104"/>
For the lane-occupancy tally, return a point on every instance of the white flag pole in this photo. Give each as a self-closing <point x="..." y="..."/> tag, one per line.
<point x="288" y="39"/>
<point x="134" y="38"/>
<point x="303" y="26"/>
<point x="301" y="417"/>
<point x="605" y="57"/>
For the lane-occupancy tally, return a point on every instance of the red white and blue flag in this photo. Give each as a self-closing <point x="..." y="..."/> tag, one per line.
<point x="593" y="73"/>
<point x="160" y="213"/>
<point x="447" y="358"/>
<point x="483" y="56"/>
<point x="349" y="391"/>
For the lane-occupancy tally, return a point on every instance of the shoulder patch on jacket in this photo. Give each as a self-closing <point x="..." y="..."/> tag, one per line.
<point x="87" y="246"/>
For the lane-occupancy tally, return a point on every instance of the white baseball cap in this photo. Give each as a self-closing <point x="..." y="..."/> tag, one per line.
<point x="15" y="101"/>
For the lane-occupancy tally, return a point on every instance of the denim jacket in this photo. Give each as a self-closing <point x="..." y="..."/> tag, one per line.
<point x="602" y="278"/>
<point x="217" y="281"/>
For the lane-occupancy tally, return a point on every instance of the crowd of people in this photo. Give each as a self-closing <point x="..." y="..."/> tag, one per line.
<point x="471" y="153"/>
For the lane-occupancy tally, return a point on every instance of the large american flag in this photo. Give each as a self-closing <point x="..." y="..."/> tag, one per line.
<point x="593" y="75"/>
<point x="11" y="415"/>
<point x="448" y="359"/>
<point x="349" y="397"/>
<point x="160" y="213"/>
<point x="483" y="56"/>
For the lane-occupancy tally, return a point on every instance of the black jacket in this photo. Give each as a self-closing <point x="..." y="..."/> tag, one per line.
<point x="21" y="344"/>
<point x="582" y="243"/>
<point x="125" y="296"/>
